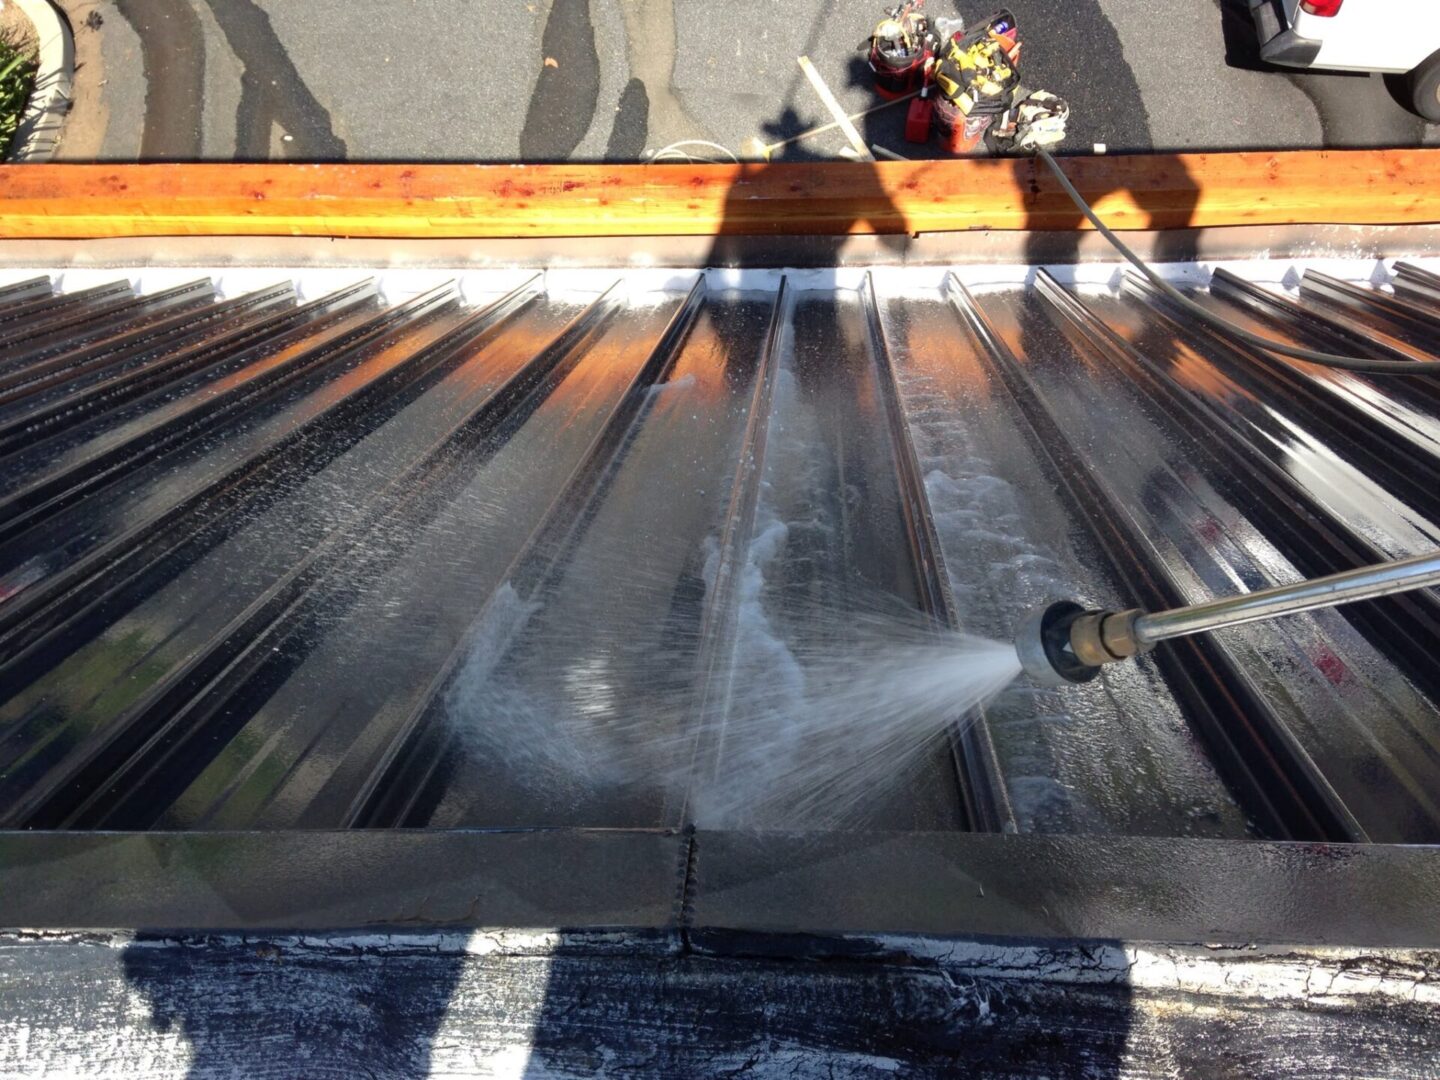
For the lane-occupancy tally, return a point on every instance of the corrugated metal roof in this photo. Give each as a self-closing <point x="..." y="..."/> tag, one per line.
<point x="251" y="549"/>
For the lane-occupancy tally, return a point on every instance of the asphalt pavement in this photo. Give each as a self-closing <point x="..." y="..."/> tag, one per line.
<point x="617" y="80"/>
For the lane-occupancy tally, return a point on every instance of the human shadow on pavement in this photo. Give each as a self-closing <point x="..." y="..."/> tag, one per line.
<point x="272" y="91"/>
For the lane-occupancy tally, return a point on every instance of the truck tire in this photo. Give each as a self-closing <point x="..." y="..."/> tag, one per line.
<point x="1425" y="88"/>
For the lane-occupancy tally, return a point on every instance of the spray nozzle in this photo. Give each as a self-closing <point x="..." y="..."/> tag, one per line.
<point x="1065" y="643"/>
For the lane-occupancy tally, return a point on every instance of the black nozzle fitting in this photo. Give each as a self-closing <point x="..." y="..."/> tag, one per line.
<point x="1064" y="643"/>
<point x="1067" y="644"/>
<point x="1044" y="646"/>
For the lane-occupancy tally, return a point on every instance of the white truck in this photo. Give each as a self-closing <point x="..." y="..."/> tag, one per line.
<point x="1400" y="36"/>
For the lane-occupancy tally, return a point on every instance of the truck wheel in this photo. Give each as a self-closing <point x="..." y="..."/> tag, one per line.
<point x="1425" y="88"/>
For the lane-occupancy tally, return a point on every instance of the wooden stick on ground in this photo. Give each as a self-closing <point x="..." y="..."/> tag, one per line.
<point x="828" y="99"/>
<point x="832" y="125"/>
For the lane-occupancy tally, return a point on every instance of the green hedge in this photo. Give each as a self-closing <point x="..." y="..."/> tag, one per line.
<point x="17" y="75"/>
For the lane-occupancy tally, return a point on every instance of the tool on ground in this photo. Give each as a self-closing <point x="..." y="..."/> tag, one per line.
<point x="1037" y="121"/>
<point x="900" y="49"/>
<point x="958" y="133"/>
<point x="1064" y="643"/>
<point x="977" y="69"/>
<point x="920" y="118"/>
<point x="976" y="80"/>
<point x="968" y="81"/>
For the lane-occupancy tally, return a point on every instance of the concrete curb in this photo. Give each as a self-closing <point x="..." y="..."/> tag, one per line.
<point x="40" y="127"/>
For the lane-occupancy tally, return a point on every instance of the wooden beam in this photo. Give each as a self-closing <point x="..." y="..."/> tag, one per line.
<point x="1131" y="192"/>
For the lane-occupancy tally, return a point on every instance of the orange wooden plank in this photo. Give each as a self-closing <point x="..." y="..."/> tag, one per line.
<point x="1132" y="192"/>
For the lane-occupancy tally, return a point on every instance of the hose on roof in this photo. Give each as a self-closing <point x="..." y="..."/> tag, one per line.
<point x="1311" y="356"/>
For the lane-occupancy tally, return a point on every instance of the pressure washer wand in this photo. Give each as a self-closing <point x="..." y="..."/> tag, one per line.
<point x="1064" y="643"/>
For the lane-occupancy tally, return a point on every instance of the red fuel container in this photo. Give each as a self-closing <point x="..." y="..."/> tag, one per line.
<point x="917" y="120"/>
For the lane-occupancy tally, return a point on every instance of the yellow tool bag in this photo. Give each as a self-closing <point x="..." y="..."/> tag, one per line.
<point x="976" y="71"/>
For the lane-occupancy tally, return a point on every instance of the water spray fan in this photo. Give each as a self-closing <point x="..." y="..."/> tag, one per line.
<point x="1066" y="643"/>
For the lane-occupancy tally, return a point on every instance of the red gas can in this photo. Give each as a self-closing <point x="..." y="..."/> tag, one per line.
<point x="918" y="119"/>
